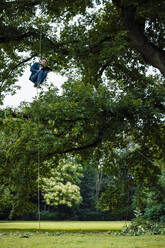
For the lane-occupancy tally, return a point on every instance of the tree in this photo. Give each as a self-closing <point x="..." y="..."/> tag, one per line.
<point x="87" y="208"/>
<point x="108" y="97"/>
<point x="62" y="187"/>
<point x="6" y="201"/>
<point x="150" y="200"/>
<point x="76" y="123"/>
<point x="118" y="32"/>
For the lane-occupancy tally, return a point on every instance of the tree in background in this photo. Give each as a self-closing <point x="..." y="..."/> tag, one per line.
<point x="87" y="208"/>
<point x="61" y="188"/>
<point x="150" y="200"/>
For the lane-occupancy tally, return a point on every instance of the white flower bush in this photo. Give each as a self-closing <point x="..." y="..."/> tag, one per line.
<point x="61" y="188"/>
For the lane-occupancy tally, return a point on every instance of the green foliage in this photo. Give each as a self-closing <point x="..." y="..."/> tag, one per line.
<point x="55" y="215"/>
<point x="154" y="201"/>
<point x="61" y="188"/>
<point x="5" y="199"/>
<point x="140" y="226"/>
<point x="109" y="102"/>
<point x="87" y="208"/>
<point x="95" y="125"/>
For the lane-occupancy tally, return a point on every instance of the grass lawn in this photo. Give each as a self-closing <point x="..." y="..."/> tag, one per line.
<point x="80" y="240"/>
<point x="62" y="225"/>
<point x="92" y="234"/>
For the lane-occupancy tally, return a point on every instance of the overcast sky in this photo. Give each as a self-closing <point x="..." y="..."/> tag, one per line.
<point x="27" y="91"/>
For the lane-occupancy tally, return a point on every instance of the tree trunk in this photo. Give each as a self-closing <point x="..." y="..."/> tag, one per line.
<point x="151" y="54"/>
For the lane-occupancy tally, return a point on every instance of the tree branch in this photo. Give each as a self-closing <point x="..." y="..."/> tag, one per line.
<point x="151" y="54"/>
<point x="10" y="34"/>
<point x="80" y="148"/>
<point x="9" y="72"/>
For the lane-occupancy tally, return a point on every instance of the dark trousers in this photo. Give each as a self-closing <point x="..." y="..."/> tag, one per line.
<point x="38" y="77"/>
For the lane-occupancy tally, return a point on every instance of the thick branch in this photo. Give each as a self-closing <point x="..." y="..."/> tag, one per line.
<point x="151" y="54"/>
<point x="9" y="72"/>
<point x="79" y="148"/>
<point x="10" y="34"/>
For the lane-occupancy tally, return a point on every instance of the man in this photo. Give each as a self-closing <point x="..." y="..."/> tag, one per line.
<point x="39" y="72"/>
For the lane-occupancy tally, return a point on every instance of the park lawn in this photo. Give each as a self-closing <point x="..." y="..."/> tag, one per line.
<point x="62" y="225"/>
<point x="79" y="240"/>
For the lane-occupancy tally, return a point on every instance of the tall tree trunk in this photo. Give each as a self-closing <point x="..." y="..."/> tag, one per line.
<point x="151" y="54"/>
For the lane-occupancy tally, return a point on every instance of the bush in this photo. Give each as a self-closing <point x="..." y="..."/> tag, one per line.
<point x="141" y="226"/>
<point x="46" y="215"/>
<point x="154" y="212"/>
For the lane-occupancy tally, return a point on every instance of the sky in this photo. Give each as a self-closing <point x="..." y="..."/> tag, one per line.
<point x="27" y="92"/>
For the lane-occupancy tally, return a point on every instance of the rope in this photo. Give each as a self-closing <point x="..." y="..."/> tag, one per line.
<point x="149" y="160"/>
<point x="38" y="152"/>
<point x="40" y="45"/>
<point x="38" y="158"/>
<point x="128" y="200"/>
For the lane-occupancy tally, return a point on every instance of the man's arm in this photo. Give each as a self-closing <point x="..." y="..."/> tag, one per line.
<point x="35" y="67"/>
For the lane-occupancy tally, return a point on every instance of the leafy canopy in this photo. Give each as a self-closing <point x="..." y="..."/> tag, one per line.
<point x="109" y="100"/>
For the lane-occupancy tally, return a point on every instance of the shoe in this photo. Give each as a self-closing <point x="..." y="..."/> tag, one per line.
<point x="35" y="84"/>
<point x="38" y="86"/>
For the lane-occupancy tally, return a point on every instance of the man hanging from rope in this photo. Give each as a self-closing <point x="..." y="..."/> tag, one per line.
<point x="39" y="72"/>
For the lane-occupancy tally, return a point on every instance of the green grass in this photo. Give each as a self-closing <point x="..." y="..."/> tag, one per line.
<point x="79" y="240"/>
<point x="63" y="225"/>
<point x="55" y="234"/>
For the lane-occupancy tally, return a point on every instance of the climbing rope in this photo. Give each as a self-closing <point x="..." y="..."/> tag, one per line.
<point x="146" y="158"/>
<point x="38" y="152"/>
<point x="128" y="200"/>
<point x="38" y="161"/>
<point x="40" y="44"/>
